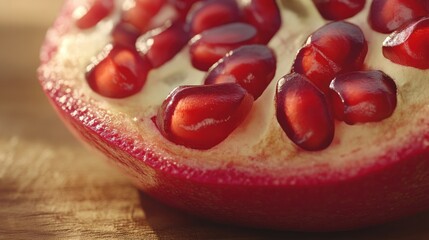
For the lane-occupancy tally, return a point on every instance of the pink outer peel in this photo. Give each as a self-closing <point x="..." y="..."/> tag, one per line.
<point x="393" y="185"/>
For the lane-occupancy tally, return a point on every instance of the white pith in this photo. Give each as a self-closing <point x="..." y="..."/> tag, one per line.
<point x="259" y="144"/>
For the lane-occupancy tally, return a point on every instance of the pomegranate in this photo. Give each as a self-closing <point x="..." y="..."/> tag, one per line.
<point x="271" y="117"/>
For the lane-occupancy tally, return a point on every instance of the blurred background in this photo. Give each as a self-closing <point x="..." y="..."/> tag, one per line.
<point x="53" y="188"/>
<point x="22" y="27"/>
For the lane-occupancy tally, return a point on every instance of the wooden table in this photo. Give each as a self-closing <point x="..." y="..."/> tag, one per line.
<point x="51" y="187"/>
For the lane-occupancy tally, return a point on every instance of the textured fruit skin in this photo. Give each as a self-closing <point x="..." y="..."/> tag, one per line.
<point x="394" y="185"/>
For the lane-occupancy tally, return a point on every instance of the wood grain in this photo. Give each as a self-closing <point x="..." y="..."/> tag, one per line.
<point x="53" y="188"/>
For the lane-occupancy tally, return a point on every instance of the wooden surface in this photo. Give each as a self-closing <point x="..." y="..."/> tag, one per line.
<point x="53" y="188"/>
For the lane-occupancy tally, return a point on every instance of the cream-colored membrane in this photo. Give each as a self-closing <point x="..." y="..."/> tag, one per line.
<point x="259" y="143"/>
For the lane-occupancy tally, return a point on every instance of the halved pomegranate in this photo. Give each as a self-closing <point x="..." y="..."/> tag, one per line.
<point x="241" y="139"/>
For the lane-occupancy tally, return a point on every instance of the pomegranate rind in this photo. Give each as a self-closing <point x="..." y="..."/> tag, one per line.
<point x="393" y="184"/>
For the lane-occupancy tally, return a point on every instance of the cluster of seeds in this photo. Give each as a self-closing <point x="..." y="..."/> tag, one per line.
<point x="228" y="40"/>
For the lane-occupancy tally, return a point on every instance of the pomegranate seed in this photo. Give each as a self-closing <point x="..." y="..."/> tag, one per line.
<point x="408" y="46"/>
<point x="334" y="48"/>
<point x="315" y="66"/>
<point x="119" y="73"/>
<point x="303" y="113"/>
<point x="361" y="97"/>
<point x="265" y="16"/>
<point x="343" y="43"/>
<point x="211" y="45"/>
<point x="183" y="7"/>
<point x="339" y="9"/>
<point x="251" y="66"/>
<point x="162" y="44"/>
<point x="212" y="13"/>
<point x="201" y="117"/>
<point x="386" y="16"/>
<point x="139" y="13"/>
<point x="95" y="11"/>
<point x="125" y="34"/>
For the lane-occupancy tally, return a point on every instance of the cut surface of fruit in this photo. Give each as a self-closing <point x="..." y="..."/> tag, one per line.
<point x="253" y="164"/>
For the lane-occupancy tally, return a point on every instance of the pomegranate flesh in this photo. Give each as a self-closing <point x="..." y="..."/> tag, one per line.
<point x="270" y="117"/>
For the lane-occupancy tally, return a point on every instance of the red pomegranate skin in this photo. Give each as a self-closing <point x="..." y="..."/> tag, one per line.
<point x="394" y="185"/>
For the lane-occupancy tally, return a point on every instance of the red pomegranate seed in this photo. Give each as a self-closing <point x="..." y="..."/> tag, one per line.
<point x="139" y="13"/>
<point x="334" y="48"/>
<point x="361" y="97"/>
<point x="386" y="16"/>
<point x="212" y="13"/>
<point x="315" y="66"/>
<point x="343" y="43"/>
<point x="125" y="34"/>
<point x="119" y="73"/>
<point x="251" y="66"/>
<point x="409" y="46"/>
<point x="339" y="9"/>
<point x="183" y="7"/>
<point x="303" y="113"/>
<point x="162" y="44"/>
<point x="96" y="10"/>
<point x="211" y="45"/>
<point x="265" y="16"/>
<point x="201" y="117"/>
